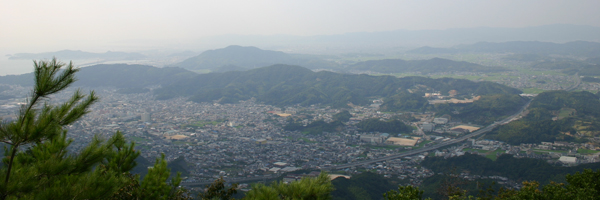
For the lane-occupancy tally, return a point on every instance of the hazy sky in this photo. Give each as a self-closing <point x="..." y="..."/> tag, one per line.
<point x="101" y="25"/>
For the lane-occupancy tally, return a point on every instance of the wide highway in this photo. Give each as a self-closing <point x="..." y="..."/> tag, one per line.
<point x="576" y="83"/>
<point x="391" y="157"/>
<point x="433" y="147"/>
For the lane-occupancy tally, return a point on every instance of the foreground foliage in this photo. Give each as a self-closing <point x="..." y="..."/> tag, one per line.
<point x="318" y="188"/>
<point x="517" y="169"/>
<point x="581" y="185"/>
<point x="366" y="185"/>
<point x="38" y="165"/>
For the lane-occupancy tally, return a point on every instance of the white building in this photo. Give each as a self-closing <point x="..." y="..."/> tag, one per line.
<point x="568" y="159"/>
<point x="427" y="127"/>
<point x="440" y="120"/>
<point x="373" y="138"/>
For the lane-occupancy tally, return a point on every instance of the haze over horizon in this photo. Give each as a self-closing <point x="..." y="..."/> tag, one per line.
<point x="378" y="97"/>
<point x="100" y="26"/>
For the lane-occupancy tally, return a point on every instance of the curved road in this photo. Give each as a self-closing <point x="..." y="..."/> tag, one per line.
<point x="576" y="84"/>
<point x="396" y="156"/>
<point x="449" y="142"/>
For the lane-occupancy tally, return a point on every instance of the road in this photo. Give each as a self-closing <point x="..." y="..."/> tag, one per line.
<point x="576" y="84"/>
<point x="400" y="155"/>
<point x="450" y="142"/>
<point x="425" y="149"/>
<point x="391" y="157"/>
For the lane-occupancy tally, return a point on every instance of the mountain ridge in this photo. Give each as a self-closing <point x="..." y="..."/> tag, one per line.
<point x="289" y="85"/>
<point x="249" y="57"/>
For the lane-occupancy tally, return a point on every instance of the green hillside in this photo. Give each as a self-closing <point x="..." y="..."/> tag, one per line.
<point x="516" y="169"/>
<point x="316" y="127"/>
<point x="375" y="124"/>
<point x="486" y="110"/>
<point x="250" y="58"/>
<point x="364" y="186"/>
<point x="290" y="85"/>
<point x="554" y="116"/>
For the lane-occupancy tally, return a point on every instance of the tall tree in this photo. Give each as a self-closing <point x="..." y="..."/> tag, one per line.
<point x="404" y="193"/>
<point x="318" y="188"/>
<point x="37" y="163"/>
<point x="219" y="191"/>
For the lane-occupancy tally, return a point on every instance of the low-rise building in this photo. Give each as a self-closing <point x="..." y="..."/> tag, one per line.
<point x="568" y="160"/>
<point x="440" y="120"/>
<point x="401" y="141"/>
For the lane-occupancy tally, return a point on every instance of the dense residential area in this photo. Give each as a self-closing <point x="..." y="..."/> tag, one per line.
<point x="247" y="140"/>
<point x="281" y="100"/>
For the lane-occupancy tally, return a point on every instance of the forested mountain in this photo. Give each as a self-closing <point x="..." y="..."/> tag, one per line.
<point x="316" y="127"/>
<point x="491" y="106"/>
<point x="424" y="66"/>
<point x="227" y="68"/>
<point x="554" y="116"/>
<point x="433" y="50"/>
<point x="114" y="75"/>
<point x="320" y="126"/>
<point x="516" y="169"/>
<point x="250" y="58"/>
<point x="391" y="126"/>
<point x="486" y="110"/>
<point x="284" y="85"/>
<point x="78" y="55"/>
<point x="290" y="85"/>
<point x="576" y="48"/>
<point x="364" y="186"/>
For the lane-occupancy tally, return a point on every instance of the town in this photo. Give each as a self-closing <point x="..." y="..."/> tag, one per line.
<point x="246" y="140"/>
